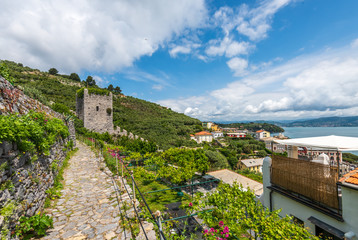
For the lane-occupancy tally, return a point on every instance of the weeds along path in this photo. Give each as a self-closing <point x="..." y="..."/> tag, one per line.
<point x="88" y="207"/>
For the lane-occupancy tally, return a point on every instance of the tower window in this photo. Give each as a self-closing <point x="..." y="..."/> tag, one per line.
<point x="97" y="108"/>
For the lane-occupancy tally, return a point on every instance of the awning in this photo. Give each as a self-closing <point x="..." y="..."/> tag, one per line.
<point x="332" y="230"/>
<point x="338" y="143"/>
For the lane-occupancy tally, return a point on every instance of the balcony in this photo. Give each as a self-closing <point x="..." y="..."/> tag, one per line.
<point x="310" y="183"/>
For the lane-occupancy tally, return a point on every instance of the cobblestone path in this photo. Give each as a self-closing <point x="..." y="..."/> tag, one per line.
<point x="88" y="207"/>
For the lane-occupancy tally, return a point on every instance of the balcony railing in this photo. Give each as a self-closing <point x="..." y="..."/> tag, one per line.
<point x="314" y="181"/>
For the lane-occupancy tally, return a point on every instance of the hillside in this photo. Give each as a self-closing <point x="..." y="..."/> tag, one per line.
<point x="254" y="126"/>
<point x="326" y="122"/>
<point x="148" y="120"/>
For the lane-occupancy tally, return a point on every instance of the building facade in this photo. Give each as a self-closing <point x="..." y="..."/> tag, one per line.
<point x="262" y="134"/>
<point x="254" y="164"/>
<point x="203" y="136"/>
<point x="315" y="199"/>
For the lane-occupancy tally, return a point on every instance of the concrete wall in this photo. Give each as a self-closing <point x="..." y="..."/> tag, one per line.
<point x="293" y="208"/>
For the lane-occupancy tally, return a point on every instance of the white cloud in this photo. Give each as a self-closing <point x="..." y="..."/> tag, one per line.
<point x="316" y="85"/>
<point x="161" y="79"/>
<point x="255" y="23"/>
<point x="157" y="87"/>
<point x="102" y="82"/>
<point x="179" y="49"/>
<point x="95" y="35"/>
<point x="354" y="43"/>
<point x="238" y="66"/>
<point x="228" y="47"/>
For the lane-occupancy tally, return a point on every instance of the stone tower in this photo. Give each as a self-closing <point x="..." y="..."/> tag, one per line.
<point x="95" y="111"/>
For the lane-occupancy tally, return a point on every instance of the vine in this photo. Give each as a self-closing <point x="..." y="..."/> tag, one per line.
<point x="34" y="132"/>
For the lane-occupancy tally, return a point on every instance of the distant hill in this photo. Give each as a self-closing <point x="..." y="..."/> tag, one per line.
<point x="325" y="122"/>
<point x="145" y="119"/>
<point x="254" y="126"/>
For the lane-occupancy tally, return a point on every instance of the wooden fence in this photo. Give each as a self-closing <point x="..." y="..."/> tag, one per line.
<point x="311" y="180"/>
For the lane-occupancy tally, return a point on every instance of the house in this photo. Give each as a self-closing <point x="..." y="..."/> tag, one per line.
<point x="230" y="129"/>
<point x="217" y="134"/>
<point x="203" y="136"/>
<point x="254" y="164"/>
<point x="207" y="124"/>
<point x="215" y="127"/>
<point x="236" y="135"/>
<point x="262" y="134"/>
<point x="312" y="191"/>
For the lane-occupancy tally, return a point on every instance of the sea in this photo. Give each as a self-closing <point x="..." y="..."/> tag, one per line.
<point x="302" y="132"/>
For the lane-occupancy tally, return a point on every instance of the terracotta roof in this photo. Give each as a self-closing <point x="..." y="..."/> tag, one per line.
<point x="202" y="133"/>
<point x="351" y="177"/>
<point x="259" y="131"/>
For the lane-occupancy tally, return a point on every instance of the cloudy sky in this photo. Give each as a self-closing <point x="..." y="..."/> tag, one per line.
<point x="213" y="60"/>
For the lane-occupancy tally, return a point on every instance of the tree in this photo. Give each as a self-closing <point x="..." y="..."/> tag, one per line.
<point x="117" y="90"/>
<point x="52" y="71"/>
<point x="110" y="87"/>
<point x="75" y="77"/>
<point x="90" y="81"/>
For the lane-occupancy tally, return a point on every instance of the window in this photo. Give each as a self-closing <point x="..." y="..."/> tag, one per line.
<point x="298" y="221"/>
<point x="323" y="234"/>
<point x="97" y="108"/>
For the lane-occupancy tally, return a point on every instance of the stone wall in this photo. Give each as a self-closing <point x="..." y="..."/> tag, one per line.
<point x="24" y="179"/>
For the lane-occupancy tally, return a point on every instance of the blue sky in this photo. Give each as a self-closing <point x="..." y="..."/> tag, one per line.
<point x="213" y="60"/>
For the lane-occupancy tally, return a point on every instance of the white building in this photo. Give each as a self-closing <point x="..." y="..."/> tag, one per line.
<point x="203" y="136"/>
<point x="312" y="192"/>
<point x="262" y="134"/>
<point x="217" y="134"/>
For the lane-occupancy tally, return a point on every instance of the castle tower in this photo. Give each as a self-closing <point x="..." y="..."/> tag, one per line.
<point x="95" y="111"/>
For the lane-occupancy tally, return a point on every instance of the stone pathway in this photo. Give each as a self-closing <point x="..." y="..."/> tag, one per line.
<point x="88" y="208"/>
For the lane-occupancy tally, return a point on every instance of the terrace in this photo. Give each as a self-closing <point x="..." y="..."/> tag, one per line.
<point x="311" y="182"/>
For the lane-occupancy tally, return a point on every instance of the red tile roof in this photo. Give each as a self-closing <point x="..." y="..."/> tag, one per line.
<point x="259" y="131"/>
<point x="351" y="177"/>
<point x="202" y="133"/>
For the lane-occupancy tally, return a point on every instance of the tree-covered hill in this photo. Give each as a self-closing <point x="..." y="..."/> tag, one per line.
<point x="148" y="120"/>
<point x="254" y="126"/>
<point x="326" y="122"/>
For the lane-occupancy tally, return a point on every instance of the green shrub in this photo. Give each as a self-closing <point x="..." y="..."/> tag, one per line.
<point x="4" y="71"/>
<point x="216" y="159"/>
<point x="33" y="132"/>
<point x="34" y="226"/>
<point x="61" y="108"/>
<point x="97" y="91"/>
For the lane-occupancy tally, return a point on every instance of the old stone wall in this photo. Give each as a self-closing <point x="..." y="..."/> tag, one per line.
<point x="25" y="179"/>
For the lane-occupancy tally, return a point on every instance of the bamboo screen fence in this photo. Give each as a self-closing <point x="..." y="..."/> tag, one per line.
<point x="312" y="180"/>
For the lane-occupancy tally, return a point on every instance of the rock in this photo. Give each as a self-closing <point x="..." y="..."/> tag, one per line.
<point x="6" y="146"/>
